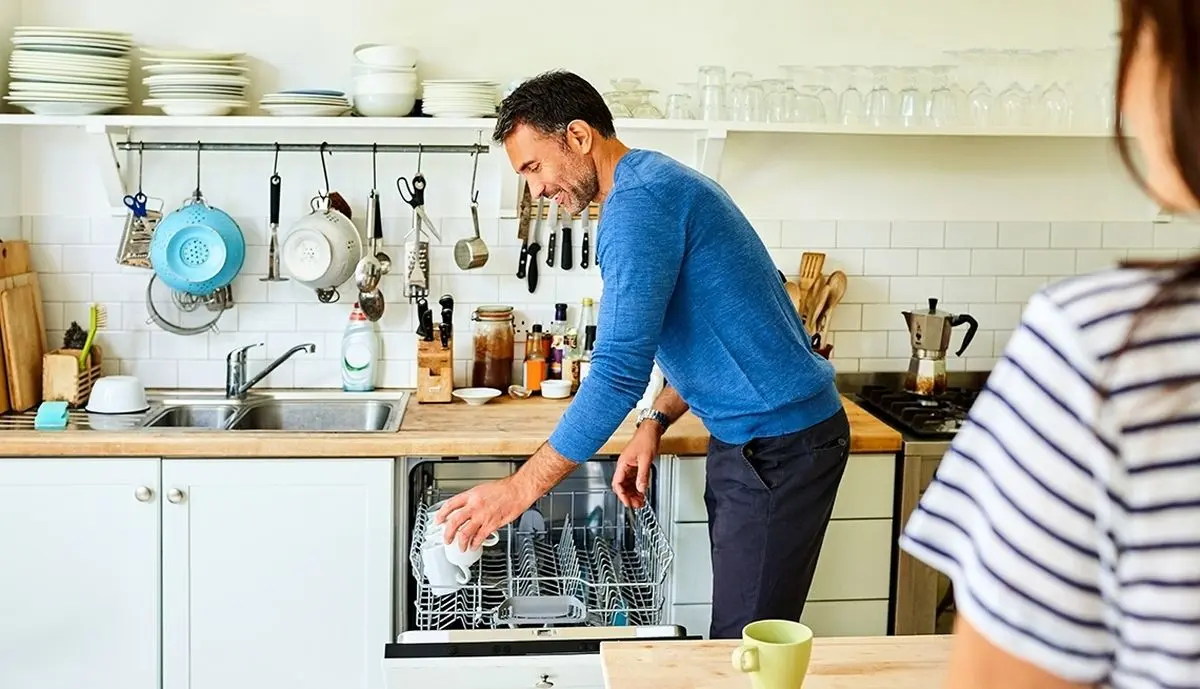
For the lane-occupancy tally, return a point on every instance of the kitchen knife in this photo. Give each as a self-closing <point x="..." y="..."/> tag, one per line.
<point x="568" y="251"/>
<point x="533" y="250"/>
<point x="523" y="229"/>
<point x="586" y="249"/>
<point x="446" y="327"/>
<point x="553" y="234"/>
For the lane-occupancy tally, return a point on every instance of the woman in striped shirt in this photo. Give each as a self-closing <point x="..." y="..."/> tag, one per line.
<point x="1067" y="511"/>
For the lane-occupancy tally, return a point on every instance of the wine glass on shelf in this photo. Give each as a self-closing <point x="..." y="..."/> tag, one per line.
<point x="882" y="104"/>
<point x="943" y="102"/>
<point x="913" y="103"/>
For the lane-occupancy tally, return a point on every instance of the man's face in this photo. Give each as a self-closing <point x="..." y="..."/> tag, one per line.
<point x="554" y="167"/>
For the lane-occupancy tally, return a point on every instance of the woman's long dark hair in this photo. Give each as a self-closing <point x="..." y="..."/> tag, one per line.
<point x="1175" y="25"/>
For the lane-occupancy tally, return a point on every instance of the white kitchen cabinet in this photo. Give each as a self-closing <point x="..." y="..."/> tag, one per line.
<point x="851" y="587"/>
<point x="79" y="573"/>
<point x="276" y="573"/>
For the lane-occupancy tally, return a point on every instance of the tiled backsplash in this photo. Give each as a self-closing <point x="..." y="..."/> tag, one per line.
<point x="986" y="269"/>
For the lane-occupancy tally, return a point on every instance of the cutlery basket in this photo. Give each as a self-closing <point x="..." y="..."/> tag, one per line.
<point x="62" y="379"/>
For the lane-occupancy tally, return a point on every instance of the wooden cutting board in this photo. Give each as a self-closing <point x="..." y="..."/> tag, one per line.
<point x="24" y="345"/>
<point x="14" y="258"/>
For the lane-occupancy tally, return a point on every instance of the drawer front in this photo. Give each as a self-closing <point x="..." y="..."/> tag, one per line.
<point x="496" y="672"/>
<point x="855" y="562"/>
<point x="831" y="618"/>
<point x="867" y="490"/>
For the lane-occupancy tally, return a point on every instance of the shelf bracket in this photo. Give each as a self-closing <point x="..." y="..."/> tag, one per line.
<point x="710" y="146"/>
<point x="103" y="149"/>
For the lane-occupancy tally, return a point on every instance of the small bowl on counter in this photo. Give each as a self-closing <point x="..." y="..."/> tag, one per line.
<point x="556" y="389"/>
<point x="476" y="396"/>
<point x="117" y="395"/>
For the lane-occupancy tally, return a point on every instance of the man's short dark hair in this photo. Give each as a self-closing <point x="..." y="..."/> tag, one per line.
<point x="549" y="102"/>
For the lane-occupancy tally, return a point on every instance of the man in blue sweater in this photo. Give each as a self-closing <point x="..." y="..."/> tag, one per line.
<point x="689" y="284"/>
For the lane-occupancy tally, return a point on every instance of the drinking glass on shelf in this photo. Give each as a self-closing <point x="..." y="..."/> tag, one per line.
<point x="913" y="103"/>
<point x="1013" y="103"/>
<point x="814" y="81"/>
<point x="777" y="99"/>
<point x="979" y="107"/>
<point x="642" y="107"/>
<point x="679" y="107"/>
<point x="626" y="83"/>
<point x="711" y="75"/>
<point x="1054" y="105"/>
<point x="943" y="102"/>
<point x="882" y="105"/>
<point x="852" y="107"/>
<point x="616" y="104"/>
<point x="806" y="108"/>
<point x="748" y="104"/>
<point x="712" y="102"/>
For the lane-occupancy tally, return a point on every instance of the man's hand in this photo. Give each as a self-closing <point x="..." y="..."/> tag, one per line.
<point x="474" y="515"/>
<point x="632" y="475"/>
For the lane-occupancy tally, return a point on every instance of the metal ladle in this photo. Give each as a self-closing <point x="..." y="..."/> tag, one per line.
<point x="369" y="271"/>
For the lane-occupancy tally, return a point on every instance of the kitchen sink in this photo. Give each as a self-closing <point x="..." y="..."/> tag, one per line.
<point x="320" y="416"/>
<point x="193" y="416"/>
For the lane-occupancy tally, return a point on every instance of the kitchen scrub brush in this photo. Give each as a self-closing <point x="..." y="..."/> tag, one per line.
<point x="97" y="319"/>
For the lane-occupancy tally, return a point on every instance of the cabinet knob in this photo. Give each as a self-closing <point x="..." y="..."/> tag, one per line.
<point x="544" y="683"/>
<point x="143" y="494"/>
<point x="175" y="495"/>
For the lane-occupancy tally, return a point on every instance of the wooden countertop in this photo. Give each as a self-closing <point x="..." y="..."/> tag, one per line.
<point x="877" y="662"/>
<point x="504" y="427"/>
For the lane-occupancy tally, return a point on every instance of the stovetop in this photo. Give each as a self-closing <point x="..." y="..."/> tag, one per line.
<point x="935" y="417"/>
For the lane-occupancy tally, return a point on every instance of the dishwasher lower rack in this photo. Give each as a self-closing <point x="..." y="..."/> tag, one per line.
<point x="604" y="572"/>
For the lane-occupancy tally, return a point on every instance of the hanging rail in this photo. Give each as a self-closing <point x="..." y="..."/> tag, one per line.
<point x="292" y="148"/>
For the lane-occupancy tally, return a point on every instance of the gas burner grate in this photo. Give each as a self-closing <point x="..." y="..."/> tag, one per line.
<point x="933" y="417"/>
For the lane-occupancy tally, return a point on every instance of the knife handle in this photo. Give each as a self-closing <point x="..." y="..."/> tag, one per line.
<point x="550" y="249"/>
<point x="533" y="267"/>
<point x="585" y="251"/>
<point x="523" y="261"/>
<point x="568" y="251"/>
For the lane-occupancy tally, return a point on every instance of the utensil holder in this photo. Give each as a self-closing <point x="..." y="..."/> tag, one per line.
<point x="62" y="381"/>
<point x="435" y="371"/>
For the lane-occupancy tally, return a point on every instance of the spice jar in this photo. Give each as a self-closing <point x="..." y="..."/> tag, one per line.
<point x="493" y="334"/>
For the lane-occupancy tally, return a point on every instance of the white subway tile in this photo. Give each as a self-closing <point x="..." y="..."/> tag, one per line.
<point x="202" y="374"/>
<point x="164" y="346"/>
<point x="1128" y="235"/>
<point x="884" y="316"/>
<point x="996" y="316"/>
<point x="1092" y="260"/>
<point x="153" y="373"/>
<point x="1155" y="254"/>
<point x="1000" y="339"/>
<point x="319" y="374"/>
<point x="918" y="235"/>
<point x="1076" y="235"/>
<point x="890" y="261"/>
<point x="997" y="262"/>
<point x="971" y="235"/>
<point x="105" y="231"/>
<point x="1177" y="235"/>
<point x="397" y="374"/>
<point x="942" y="262"/>
<point x="866" y="290"/>
<point x="66" y="287"/>
<point x="849" y="261"/>
<point x="883" y="365"/>
<point x="121" y="287"/>
<point x="846" y="317"/>
<point x="49" y="229"/>
<point x="1017" y="290"/>
<point x="979" y="364"/>
<point x="279" y="343"/>
<point x="52" y="315"/>
<point x="1049" y="262"/>
<point x="899" y="344"/>
<point x="916" y="290"/>
<point x="268" y="317"/>
<point x="857" y="234"/>
<point x="972" y="289"/>
<point x="48" y="259"/>
<point x="787" y="260"/>
<point x="769" y="232"/>
<point x="843" y="365"/>
<point x="860" y="344"/>
<point x="980" y="344"/>
<point x="1025" y="235"/>
<point x="809" y="234"/>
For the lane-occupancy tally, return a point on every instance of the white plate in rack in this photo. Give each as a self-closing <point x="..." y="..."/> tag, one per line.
<point x="67" y="108"/>
<point x="194" y="107"/>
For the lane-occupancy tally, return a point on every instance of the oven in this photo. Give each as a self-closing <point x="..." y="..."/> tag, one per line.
<point x="922" y="599"/>
<point x="576" y="569"/>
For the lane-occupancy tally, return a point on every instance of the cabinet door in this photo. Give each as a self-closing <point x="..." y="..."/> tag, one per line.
<point x="79" y="582"/>
<point x="276" y="573"/>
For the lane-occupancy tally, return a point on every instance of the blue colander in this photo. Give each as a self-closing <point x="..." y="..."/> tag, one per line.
<point x="197" y="249"/>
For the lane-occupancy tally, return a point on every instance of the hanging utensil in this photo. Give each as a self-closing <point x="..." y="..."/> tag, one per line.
<point x="273" y="247"/>
<point x="534" y="247"/>
<point x="568" y="251"/>
<point x="416" y="247"/>
<point x="585" y="223"/>
<point x="140" y="223"/>
<point x="472" y="252"/>
<point x="368" y="272"/>
<point x="385" y="261"/>
<point x="553" y="241"/>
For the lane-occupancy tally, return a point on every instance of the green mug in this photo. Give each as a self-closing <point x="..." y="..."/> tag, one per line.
<point x="775" y="653"/>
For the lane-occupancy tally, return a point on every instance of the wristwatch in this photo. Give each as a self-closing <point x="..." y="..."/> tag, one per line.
<point x="652" y="413"/>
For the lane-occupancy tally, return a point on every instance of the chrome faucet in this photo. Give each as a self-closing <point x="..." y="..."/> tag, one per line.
<point x="236" y="385"/>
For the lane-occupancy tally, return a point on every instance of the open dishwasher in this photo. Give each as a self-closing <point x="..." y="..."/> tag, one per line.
<point x="576" y="569"/>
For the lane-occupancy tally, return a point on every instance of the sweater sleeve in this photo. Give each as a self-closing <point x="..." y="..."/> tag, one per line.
<point x="640" y="249"/>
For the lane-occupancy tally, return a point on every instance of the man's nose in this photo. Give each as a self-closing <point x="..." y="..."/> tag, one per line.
<point x="536" y="188"/>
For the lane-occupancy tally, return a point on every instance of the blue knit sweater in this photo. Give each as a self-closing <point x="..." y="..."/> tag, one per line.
<point x="688" y="282"/>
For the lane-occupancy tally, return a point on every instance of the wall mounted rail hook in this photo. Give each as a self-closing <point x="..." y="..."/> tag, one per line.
<point x="474" y="172"/>
<point x="420" y="151"/>
<point x="275" y="168"/>
<point x="375" y="166"/>
<point x="199" y="146"/>
<point x="324" y="169"/>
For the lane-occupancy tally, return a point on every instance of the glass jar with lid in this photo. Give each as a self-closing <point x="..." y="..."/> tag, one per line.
<point x="493" y="336"/>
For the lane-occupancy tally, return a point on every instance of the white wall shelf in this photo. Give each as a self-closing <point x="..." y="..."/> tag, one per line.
<point x="710" y="137"/>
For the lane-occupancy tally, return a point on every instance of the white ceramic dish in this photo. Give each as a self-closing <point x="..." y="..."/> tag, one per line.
<point x="118" y="395"/>
<point x="384" y="104"/>
<point x="556" y="389"/>
<point x="386" y="82"/>
<point x="476" y="396"/>
<point x="386" y="55"/>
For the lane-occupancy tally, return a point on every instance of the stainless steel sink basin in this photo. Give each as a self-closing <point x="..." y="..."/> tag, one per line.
<point x="193" y="416"/>
<point x="320" y="416"/>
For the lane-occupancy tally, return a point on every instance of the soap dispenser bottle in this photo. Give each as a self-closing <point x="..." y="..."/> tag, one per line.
<point x="360" y="353"/>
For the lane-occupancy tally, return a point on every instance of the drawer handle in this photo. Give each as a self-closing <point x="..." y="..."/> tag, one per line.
<point x="175" y="495"/>
<point x="143" y="494"/>
<point x="544" y="683"/>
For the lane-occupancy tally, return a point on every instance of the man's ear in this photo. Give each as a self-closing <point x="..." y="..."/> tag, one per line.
<point x="579" y="137"/>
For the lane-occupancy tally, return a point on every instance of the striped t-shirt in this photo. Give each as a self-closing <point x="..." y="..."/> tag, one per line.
<point x="1067" y="510"/>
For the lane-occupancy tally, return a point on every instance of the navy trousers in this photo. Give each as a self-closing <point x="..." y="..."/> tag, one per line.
<point x="769" y="502"/>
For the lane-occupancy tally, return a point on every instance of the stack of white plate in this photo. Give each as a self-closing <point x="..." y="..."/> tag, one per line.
<point x="306" y="103"/>
<point x="68" y="71"/>
<point x="459" y="97"/>
<point x="192" y="83"/>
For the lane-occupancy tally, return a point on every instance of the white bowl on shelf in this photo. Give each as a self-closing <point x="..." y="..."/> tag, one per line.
<point x="476" y="396"/>
<point x="386" y="55"/>
<point x="384" y="104"/>
<point x="386" y="82"/>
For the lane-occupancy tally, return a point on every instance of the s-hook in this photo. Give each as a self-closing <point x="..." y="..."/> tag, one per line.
<point x="197" y="195"/>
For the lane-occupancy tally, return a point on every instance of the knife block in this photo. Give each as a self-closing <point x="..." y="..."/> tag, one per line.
<point x="435" y="371"/>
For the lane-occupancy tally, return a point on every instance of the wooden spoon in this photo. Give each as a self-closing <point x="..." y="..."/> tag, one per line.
<point x="836" y="284"/>
<point x="793" y="291"/>
<point x="811" y="264"/>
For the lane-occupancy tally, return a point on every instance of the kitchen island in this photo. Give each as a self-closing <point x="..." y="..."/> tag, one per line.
<point x="503" y="427"/>
<point x="884" y="662"/>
